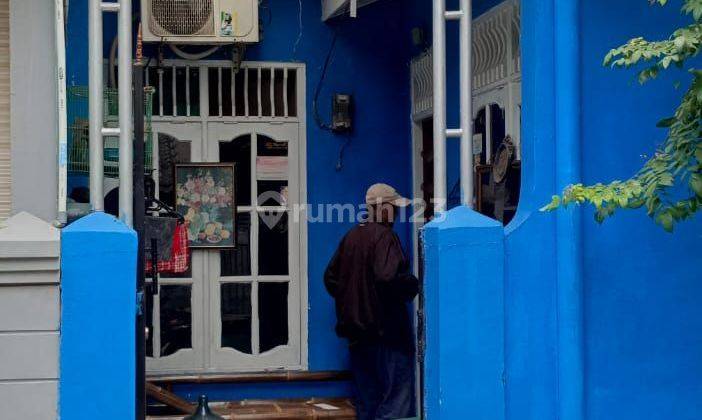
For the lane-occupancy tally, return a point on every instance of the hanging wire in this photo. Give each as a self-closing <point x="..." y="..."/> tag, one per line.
<point x="266" y="6"/>
<point x="315" y="108"/>
<point x="299" y="34"/>
<point x="340" y="161"/>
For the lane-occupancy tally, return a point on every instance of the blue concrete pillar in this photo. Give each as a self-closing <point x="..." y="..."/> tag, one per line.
<point x="464" y="309"/>
<point x="98" y="269"/>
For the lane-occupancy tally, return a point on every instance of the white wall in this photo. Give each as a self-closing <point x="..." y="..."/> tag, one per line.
<point x="33" y="122"/>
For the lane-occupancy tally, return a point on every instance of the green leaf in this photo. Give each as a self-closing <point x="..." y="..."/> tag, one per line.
<point x="553" y="205"/>
<point x="666" y="122"/>
<point x="696" y="184"/>
<point x="679" y="42"/>
<point x="636" y="204"/>
<point x="597" y="202"/>
<point x="608" y="58"/>
<point x="636" y="56"/>
<point x="667" y="180"/>
<point x="600" y="217"/>
<point x="666" y="220"/>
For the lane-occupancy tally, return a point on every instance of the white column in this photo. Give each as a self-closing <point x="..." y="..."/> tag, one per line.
<point x="125" y="112"/>
<point x="465" y="131"/>
<point x="439" y="66"/>
<point x="95" y="103"/>
<point x="466" y="69"/>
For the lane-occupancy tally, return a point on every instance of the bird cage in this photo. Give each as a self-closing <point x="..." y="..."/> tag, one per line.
<point x="78" y="131"/>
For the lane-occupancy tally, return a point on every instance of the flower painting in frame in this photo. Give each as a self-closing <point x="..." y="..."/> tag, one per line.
<point x="205" y="196"/>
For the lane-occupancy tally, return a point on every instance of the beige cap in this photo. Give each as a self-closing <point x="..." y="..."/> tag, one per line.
<point x="383" y="193"/>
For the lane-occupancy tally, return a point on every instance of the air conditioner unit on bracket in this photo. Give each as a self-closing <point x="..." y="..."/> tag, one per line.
<point x="200" y="21"/>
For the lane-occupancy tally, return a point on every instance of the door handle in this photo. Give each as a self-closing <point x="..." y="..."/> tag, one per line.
<point x="154" y="266"/>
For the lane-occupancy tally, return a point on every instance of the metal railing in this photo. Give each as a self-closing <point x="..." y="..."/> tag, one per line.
<point x="78" y="131"/>
<point x="465" y="131"/>
<point x="96" y="120"/>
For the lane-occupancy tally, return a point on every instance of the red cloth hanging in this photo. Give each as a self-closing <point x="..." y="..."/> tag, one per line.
<point x="180" y="254"/>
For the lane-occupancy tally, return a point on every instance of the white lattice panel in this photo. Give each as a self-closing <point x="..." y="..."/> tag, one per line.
<point x="422" y="86"/>
<point x="496" y="45"/>
<point x="496" y="57"/>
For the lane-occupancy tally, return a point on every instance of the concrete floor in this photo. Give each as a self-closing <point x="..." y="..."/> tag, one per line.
<point x="338" y="409"/>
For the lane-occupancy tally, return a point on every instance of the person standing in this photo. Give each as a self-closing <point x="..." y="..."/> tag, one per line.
<point x="370" y="281"/>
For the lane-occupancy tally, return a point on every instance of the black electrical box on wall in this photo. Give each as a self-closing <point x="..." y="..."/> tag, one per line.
<point x="341" y="113"/>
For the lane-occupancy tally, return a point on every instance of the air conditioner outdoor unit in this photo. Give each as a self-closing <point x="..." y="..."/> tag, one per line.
<point x="200" y="21"/>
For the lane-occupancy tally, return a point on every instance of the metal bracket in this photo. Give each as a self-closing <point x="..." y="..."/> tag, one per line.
<point x="110" y="7"/>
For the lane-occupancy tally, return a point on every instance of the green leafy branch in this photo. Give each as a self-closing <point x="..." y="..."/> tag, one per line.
<point x="677" y="165"/>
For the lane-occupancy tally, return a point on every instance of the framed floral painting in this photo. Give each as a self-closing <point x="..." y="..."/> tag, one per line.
<point x="205" y="197"/>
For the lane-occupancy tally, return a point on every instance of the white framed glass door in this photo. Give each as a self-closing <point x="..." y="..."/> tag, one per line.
<point x="254" y="290"/>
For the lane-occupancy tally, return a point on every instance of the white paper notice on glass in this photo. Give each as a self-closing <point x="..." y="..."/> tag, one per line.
<point x="272" y="168"/>
<point x="477" y="143"/>
<point x="324" y="406"/>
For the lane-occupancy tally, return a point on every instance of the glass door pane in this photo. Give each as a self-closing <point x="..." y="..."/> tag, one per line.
<point x="272" y="315"/>
<point x="238" y="151"/>
<point x="236" y="316"/>
<point x="176" y="319"/>
<point x="272" y="183"/>
<point x="237" y="262"/>
<point x="273" y="243"/>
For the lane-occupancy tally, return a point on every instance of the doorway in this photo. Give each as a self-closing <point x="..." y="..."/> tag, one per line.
<point x="497" y="99"/>
<point x="241" y="309"/>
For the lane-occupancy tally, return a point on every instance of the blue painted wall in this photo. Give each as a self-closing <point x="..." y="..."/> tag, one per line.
<point x="98" y="316"/>
<point x="641" y="322"/>
<point x="370" y="61"/>
<point x="530" y="243"/>
<point x="641" y="326"/>
<point x="530" y="334"/>
<point x="641" y="316"/>
<point x="464" y="312"/>
<point x="642" y="285"/>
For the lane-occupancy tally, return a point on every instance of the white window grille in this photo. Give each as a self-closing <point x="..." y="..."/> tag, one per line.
<point x="256" y="90"/>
